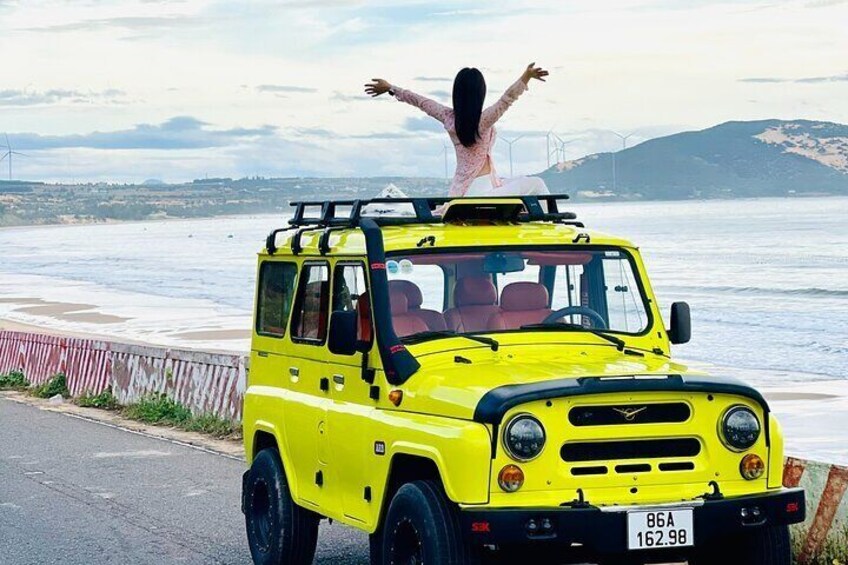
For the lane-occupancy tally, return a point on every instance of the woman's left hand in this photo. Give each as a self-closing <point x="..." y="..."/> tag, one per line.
<point x="378" y="87"/>
<point x="532" y="71"/>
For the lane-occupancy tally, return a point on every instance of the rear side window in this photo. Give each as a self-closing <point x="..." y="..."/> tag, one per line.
<point x="276" y="293"/>
<point x="309" y="322"/>
<point x="350" y="294"/>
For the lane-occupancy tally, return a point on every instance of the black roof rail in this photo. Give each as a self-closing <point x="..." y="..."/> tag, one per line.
<point x="423" y="208"/>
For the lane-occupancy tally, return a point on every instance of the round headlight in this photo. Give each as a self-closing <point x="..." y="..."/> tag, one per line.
<point x="524" y="437"/>
<point x="740" y="428"/>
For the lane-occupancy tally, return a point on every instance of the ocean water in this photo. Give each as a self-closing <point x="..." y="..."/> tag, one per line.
<point x="767" y="279"/>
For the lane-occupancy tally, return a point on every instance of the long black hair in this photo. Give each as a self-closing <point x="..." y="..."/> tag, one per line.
<point x="469" y="92"/>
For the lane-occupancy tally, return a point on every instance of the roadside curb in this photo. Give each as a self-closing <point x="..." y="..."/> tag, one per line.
<point x="231" y="449"/>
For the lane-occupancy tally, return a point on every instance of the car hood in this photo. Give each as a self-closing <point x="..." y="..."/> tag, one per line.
<point x="452" y="382"/>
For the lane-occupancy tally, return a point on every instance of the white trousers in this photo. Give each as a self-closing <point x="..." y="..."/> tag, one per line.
<point x="518" y="186"/>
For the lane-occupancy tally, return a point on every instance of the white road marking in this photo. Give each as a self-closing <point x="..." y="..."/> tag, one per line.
<point x="141" y="454"/>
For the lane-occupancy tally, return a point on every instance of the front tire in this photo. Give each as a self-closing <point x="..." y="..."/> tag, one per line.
<point x="763" y="546"/>
<point x="279" y="532"/>
<point x="422" y="526"/>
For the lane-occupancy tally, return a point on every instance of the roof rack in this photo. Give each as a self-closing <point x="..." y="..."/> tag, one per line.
<point x="348" y="213"/>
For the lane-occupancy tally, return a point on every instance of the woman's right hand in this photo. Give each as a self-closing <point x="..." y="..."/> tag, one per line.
<point x="532" y="71"/>
<point x="377" y="87"/>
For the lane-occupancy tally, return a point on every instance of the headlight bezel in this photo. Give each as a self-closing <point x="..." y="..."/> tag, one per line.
<point x="723" y="422"/>
<point x="505" y="439"/>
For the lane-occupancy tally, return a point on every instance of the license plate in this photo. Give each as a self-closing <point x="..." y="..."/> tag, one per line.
<point x="654" y="529"/>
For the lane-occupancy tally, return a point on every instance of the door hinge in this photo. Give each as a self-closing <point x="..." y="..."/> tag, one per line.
<point x="325" y="384"/>
<point x="367" y="494"/>
<point x="374" y="392"/>
<point x="319" y="478"/>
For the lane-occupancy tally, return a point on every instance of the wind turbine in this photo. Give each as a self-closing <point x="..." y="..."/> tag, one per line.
<point x="510" y="142"/>
<point x="9" y="153"/>
<point x="624" y="139"/>
<point x="560" y="147"/>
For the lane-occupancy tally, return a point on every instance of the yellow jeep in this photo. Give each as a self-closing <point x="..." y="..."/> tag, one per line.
<point x="474" y="379"/>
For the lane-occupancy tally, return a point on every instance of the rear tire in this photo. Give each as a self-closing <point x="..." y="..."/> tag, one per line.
<point x="422" y="526"/>
<point x="763" y="546"/>
<point x="279" y="532"/>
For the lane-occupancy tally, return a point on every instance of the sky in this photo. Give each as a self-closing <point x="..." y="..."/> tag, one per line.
<point x="123" y="91"/>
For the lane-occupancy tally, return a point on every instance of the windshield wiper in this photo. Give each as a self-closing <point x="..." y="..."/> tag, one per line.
<point x="426" y="336"/>
<point x="566" y="327"/>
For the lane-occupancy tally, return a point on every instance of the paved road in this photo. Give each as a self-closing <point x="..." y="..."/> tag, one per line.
<point x="73" y="491"/>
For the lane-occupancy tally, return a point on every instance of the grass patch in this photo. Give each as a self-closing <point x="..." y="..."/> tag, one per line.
<point x="158" y="409"/>
<point x="57" y="384"/>
<point x="833" y="552"/>
<point x="213" y="425"/>
<point x="105" y="400"/>
<point x="14" y="380"/>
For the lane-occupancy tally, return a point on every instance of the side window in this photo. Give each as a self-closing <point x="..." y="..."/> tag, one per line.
<point x="348" y="287"/>
<point x="309" y="321"/>
<point x="626" y="309"/>
<point x="276" y="291"/>
<point x="350" y="294"/>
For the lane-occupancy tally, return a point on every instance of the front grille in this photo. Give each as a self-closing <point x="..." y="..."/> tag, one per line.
<point x="629" y="449"/>
<point x="660" y="413"/>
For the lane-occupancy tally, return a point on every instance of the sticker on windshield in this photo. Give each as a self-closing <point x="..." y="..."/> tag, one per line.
<point x="405" y="266"/>
<point x="392" y="267"/>
<point x="616" y="254"/>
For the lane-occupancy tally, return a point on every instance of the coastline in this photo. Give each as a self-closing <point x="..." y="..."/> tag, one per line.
<point x="574" y="201"/>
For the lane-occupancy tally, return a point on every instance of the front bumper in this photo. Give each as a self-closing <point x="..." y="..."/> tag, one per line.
<point x="605" y="530"/>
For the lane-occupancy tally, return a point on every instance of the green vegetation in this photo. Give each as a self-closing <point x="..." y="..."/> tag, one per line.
<point x="57" y="384"/>
<point x="213" y="425"/>
<point x="105" y="400"/>
<point x="160" y="410"/>
<point x="14" y="380"/>
<point x="834" y="552"/>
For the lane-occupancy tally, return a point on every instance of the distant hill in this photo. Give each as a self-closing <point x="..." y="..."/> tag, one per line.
<point x="731" y="160"/>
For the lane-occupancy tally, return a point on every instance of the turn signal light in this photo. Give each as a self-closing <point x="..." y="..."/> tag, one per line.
<point x="511" y="478"/>
<point x="752" y="467"/>
<point x="395" y="397"/>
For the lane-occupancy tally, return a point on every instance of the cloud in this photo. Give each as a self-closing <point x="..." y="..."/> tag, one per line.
<point x="180" y="132"/>
<point x="440" y="94"/>
<point x="805" y="80"/>
<point x="127" y="23"/>
<point x="423" y="124"/>
<point x="824" y="3"/>
<point x="13" y="97"/>
<point x="283" y="88"/>
<point x="432" y="79"/>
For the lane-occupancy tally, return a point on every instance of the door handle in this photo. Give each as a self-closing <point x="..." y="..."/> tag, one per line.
<point x="294" y="374"/>
<point x="339" y="379"/>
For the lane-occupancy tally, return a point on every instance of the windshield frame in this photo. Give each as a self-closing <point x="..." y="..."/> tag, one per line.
<point x="647" y="302"/>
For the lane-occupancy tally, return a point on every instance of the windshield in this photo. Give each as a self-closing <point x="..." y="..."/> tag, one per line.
<point x="468" y="292"/>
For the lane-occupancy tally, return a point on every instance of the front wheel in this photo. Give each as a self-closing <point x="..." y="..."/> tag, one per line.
<point x="422" y="526"/>
<point x="763" y="546"/>
<point x="279" y="532"/>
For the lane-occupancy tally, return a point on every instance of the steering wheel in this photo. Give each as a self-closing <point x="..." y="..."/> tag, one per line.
<point x="597" y="320"/>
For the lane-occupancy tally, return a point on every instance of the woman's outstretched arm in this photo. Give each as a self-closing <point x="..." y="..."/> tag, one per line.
<point x="494" y="112"/>
<point x="428" y="106"/>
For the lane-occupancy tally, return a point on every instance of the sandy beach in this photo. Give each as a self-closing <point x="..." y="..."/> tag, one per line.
<point x="73" y="319"/>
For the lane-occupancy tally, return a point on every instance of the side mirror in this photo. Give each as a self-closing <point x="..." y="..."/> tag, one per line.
<point x="343" y="326"/>
<point x="681" y="324"/>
